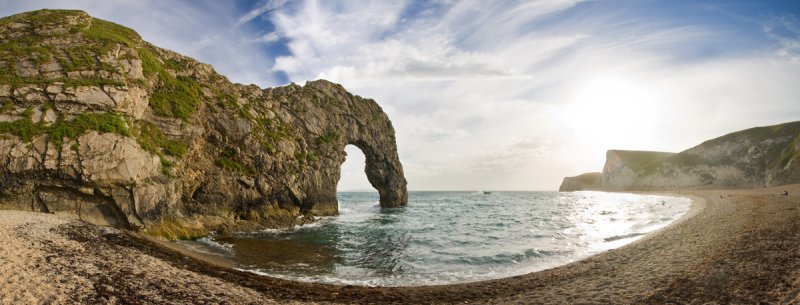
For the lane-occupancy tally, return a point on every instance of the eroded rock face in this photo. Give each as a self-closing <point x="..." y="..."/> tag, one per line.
<point x="108" y="159"/>
<point x="120" y="132"/>
<point x="329" y="118"/>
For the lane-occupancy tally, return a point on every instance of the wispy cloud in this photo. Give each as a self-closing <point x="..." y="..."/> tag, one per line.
<point x="464" y="81"/>
<point x="502" y="94"/>
<point x="785" y="29"/>
<point x="266" y="38"/>
<point x="259" y="10"/>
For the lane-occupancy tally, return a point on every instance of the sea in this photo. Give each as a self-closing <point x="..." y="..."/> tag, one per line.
<point x="448" y="237"/>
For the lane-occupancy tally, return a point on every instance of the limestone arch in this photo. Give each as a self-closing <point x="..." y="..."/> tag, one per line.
<point x="381" y="173"/>
<point x="339" y="119"/>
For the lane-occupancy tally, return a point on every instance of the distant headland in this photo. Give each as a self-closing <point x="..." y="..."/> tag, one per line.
<point x="756" y="157"/>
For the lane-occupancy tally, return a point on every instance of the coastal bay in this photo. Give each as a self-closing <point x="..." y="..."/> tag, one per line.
<point x="740" y="246"/>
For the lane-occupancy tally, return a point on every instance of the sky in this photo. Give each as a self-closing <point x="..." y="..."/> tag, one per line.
<point x="501" y="95"/>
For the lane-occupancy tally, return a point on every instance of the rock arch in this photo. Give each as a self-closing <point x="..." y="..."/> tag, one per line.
<point x="385" y="174"/>
<point x="344" y="119"/>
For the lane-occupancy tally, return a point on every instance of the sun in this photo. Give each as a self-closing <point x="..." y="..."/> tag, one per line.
<point x="611" y="109"/>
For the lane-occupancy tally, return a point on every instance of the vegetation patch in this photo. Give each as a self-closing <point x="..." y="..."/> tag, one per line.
<point x="40" y="17"/>
<point x="109" y="34"/>
<point x="152" y="139"/>
<point x="268" y="132"/>
<point x="26" y="129"/>
<point x="274" y="130"/>
<point x="176" y="97"/>
<point x="305" y="157"/>
<point x="227" y="101"/>
<point x="36" y="49"/>
<point x="7" y="106"/>
<point x="328" y="137"/>
<point x="101" y="122"/>
<point x="150" y="65"/>
<point x="227" y="160"/>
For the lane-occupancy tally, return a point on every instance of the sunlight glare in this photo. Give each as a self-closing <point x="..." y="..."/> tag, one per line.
<point x="611" y="110"/>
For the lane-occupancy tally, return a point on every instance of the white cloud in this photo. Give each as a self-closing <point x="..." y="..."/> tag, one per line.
<point x="264" y="7"/>
<point x="464" y="83"/>
<point x="494" y="94"/>
<point x="785" y="29"/>
<point x="266" y="38"/>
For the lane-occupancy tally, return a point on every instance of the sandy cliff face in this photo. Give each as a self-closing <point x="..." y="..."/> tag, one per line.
<point x="97" y="122"/>
<point x="756" y="157"/>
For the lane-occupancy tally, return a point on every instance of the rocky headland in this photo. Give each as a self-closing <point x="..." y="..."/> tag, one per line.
<point x="97" y="123"/>
<point x="756" y="157"/>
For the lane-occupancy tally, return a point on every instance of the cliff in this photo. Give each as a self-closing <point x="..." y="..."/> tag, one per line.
<point x="756" y="157"/>
<point x="582" y="182"/>
<point x="98" y="123"/>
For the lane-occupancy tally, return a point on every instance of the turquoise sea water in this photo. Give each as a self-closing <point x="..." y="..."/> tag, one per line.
<point x="449" y="237"/>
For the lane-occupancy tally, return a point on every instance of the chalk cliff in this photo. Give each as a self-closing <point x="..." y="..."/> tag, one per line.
<point x="98" y="123"/>
<point x="755" y="157"/>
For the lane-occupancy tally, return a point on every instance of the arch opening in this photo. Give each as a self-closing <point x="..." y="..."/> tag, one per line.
<point x="353" y="176"/>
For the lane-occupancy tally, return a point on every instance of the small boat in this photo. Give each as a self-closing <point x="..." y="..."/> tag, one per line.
<point x="486" y="192"/>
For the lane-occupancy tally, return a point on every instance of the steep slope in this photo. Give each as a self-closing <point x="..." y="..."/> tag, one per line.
<point x="623" y="167"/>
<point x="755" y="157"/>
<point x="99" y="123"/>
<point x="582" y="182"/>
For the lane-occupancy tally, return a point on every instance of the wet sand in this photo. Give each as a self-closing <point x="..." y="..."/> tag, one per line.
<point x="736" y="246"/>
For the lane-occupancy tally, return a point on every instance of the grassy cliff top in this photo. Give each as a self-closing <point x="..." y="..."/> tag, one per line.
<point x="639" y="159"/>
<point x="588" y="178"/>
<point x="758" y="134"/>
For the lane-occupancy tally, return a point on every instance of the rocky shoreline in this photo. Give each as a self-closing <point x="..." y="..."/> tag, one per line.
<point x="740" y="246"/>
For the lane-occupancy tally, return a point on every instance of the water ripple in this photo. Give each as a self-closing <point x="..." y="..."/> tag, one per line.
<point x="451" y="237"/>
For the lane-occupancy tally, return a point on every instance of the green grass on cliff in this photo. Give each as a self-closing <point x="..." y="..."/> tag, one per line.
<point x="27" y="130"/>
<point x="41" y="17"/>
<point x="172" y="96"/>
<point x="152" y="139"/>
<point x="589" y="178"/>
<point x="109" y="34"/>
<point x="641" y="160"/>
<point x="176" y="97"/>
<point x="228" y="160"/>
<point x="37" y="48"/>
<point x="149" y="136"/>
<point x="775" y="157"/>
<point x="305" y="157"/>
<point x="328" y="137"/>
<point x="269" y="131"/>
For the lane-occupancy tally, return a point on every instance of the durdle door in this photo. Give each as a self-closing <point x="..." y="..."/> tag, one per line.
<point x="98" y="123"/>
<point x="349" y="120"/>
